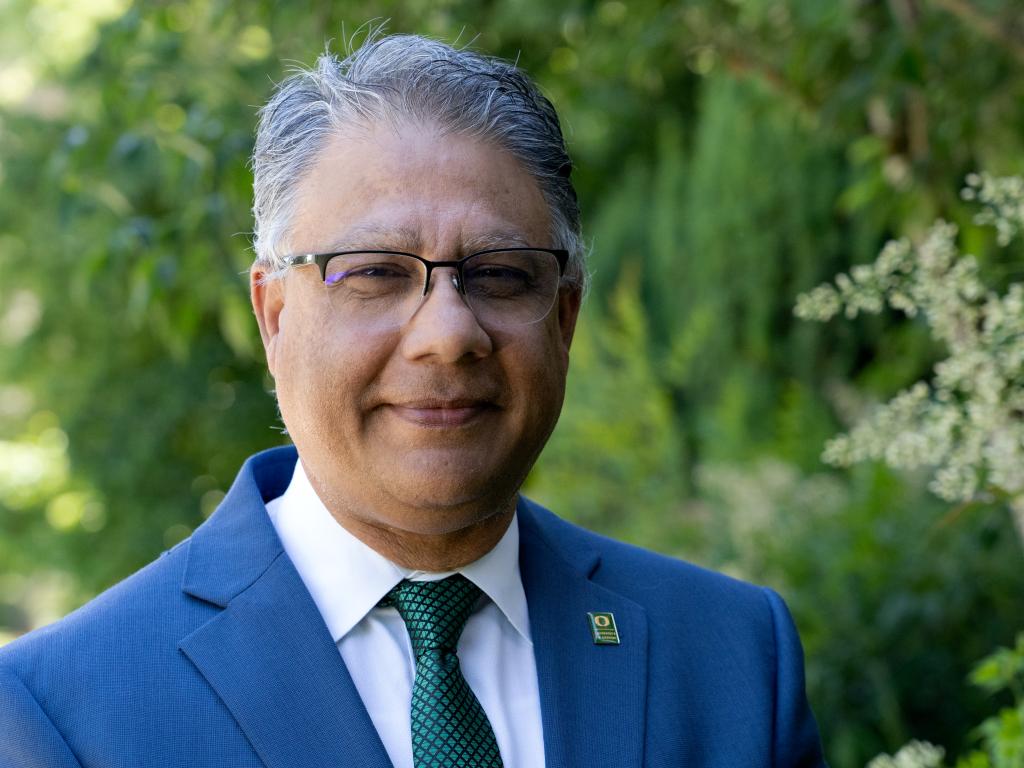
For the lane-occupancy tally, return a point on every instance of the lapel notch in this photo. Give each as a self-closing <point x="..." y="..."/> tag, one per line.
<point x="268" y="654"/>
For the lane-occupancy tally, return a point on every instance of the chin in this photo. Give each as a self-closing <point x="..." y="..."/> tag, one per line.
<point x="446" y="476"/>
<point x="454" y="499"/>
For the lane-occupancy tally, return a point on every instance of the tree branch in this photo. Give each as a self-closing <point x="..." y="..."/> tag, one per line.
<point x="742" y="65"/>
<point x="983" y="25"/>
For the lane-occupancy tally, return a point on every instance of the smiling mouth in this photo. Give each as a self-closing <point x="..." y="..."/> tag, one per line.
<point x="443" y="414"/>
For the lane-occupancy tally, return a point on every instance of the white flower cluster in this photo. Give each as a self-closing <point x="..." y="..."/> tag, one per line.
<point x="916" y="754"/>
<point x="1003" y="198"/>
<point x="969" y="423"/>
<point x="752" y="500"/>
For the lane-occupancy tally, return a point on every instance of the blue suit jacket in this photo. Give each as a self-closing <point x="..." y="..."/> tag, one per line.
<point x="215" y="655"/>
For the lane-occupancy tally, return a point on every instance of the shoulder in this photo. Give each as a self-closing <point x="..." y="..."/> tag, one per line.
<point x="672" y="591"/>
<point x="629" y="566"/>
<point x="107" y="636"/>
<point x="160" y="601"/>
<point x="724" y="655"/>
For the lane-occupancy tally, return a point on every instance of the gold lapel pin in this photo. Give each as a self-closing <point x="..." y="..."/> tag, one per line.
<point x="603" y="629"/>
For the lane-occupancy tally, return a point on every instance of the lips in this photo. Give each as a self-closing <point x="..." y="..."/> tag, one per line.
<point x="442" y="413"/>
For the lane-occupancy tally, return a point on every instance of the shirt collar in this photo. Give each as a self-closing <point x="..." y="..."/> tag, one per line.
<point x="347" y="578"/>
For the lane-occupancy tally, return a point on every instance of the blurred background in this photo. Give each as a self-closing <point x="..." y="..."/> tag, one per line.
<point x="729" y="155"/>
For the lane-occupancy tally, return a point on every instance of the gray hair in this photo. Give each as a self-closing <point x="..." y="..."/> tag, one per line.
<point x="410" y="77"/>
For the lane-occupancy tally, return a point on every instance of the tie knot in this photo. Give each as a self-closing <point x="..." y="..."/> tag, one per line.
<point x="434" y="612"/>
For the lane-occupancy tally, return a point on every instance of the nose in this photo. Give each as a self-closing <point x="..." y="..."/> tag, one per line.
<point x="444" y="328"/>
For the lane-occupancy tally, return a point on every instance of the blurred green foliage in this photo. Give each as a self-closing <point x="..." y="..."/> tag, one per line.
<point x="730" y="154"/>
<point x="999" y="739"/>
<point x="1002" y="735"/>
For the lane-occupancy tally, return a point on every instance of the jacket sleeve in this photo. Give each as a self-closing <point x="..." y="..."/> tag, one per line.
<point x="796" y="743"/>
<point x="30" y="739"/>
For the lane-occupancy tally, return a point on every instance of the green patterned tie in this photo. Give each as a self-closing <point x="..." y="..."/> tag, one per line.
<point x="449" y="727"/>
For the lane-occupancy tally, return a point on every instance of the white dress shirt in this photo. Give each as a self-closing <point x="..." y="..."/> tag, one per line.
<point x="347" y="579"/>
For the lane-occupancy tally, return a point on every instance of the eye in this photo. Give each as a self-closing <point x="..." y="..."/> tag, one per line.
<point x="497" y="272"/>
<point x="376" y="271"/>
<point x="511" y="274"/>
<point x="365" y="269"/>
<point x="497" y="281"/>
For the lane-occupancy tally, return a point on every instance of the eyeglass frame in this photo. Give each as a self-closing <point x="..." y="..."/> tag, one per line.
<point x="321" y="259"/>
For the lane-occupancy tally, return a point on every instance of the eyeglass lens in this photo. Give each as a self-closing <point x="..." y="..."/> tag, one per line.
<point x="502" y="288"/>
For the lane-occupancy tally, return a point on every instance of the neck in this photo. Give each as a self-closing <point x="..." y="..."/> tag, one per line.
<point x="402" y="532"/>
<point x="398" y="540"/>
<point x="431" y="552"/>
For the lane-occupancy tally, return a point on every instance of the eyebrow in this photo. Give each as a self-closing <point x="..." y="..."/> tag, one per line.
<point x="376" y="237"/>
<point x="497" y="239"/>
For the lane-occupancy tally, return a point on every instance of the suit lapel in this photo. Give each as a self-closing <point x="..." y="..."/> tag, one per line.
<point x="593" y="697"/>
<point x="268" y="654"/>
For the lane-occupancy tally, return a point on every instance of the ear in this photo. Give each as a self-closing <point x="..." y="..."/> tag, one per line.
<point x="569" y="300"/>
<point x="268" y="304"/>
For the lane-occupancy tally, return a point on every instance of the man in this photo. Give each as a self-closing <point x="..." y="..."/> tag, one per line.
<point x="388" y="598"/>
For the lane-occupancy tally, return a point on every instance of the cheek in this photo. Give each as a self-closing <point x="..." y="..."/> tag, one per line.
<point x="538" y="367"/>
<point x="308" y="374"/>
<point x="326" y="376"/>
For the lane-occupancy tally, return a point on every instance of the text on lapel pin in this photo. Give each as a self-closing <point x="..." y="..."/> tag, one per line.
<point x="603" y="629"/>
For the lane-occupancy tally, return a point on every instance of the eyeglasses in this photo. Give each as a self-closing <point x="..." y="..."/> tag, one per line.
<point x="380" y="289"/>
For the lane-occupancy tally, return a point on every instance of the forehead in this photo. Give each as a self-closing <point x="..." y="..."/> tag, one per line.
<point x="415" y="188"/>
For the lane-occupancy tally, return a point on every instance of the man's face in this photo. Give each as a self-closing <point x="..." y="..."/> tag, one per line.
<point x="431" y="426"/>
